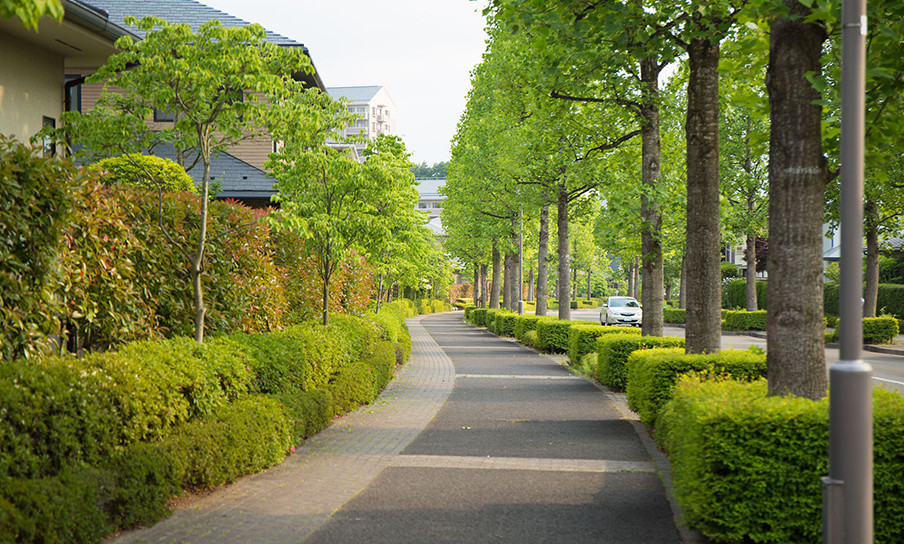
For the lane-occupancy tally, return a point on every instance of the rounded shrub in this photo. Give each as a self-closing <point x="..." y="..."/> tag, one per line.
<point x="145" y="171"/>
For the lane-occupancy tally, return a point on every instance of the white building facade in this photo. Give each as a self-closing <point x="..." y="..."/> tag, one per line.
<point x="374" y="107"/>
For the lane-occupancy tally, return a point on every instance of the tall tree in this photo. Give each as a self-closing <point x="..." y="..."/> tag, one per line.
<point x="215" y="81"/>
<point x="798" y="172"/>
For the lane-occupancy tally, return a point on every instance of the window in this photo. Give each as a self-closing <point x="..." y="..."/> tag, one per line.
<point x="164" y="116"/>
<point x="422" y="205"/>
<point x="49" y="145"/>
<point x="73" y="94"/>
<point x="438" y="205"/>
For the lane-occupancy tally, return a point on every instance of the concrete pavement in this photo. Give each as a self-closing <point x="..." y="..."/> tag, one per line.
<point x="477" y="439"/>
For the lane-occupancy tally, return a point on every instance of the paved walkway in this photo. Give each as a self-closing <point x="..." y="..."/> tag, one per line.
<point x="477" y="439"/>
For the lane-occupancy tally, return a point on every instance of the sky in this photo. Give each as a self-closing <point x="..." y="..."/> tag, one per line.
<point x="422" y="51"/>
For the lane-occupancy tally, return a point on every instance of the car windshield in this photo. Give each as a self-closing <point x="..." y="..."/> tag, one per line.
<point x="623" y="302"/>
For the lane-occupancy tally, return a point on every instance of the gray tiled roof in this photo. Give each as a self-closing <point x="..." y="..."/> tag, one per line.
<point x="176" y="11"/>
<point x="237" y="178"/>
<point x="354" y="94"/>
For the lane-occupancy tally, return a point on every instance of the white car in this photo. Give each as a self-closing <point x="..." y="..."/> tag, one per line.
<point x="621" y="311"/>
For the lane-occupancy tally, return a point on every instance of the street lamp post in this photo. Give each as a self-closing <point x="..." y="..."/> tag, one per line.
<point x="848" y="490"/>
<point x="521" y="262"/>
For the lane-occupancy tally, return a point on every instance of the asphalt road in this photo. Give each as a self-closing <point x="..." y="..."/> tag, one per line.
<point x="888" y="369"/>
<point x="521" y="451"/>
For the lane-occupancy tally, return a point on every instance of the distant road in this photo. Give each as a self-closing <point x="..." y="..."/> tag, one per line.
<point x="888" y="370"/>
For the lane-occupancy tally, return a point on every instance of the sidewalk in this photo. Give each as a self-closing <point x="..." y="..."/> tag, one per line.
<point x="290" y="501"/>
<point x="519" y="450"/>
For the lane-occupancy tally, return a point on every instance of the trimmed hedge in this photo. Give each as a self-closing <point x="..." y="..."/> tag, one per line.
<point x="479" y="316"/>
<point x="582" y="338"/>
<point x="674" y="315"/>
<point x="652" y="374"/>
<point x="747" y="466"/>
<point x="530" y="338"/>
<point x="491" y="318"/>
<point x="552" y="334"/>
<point x="505" y="324"/>
<point x="734" y="294"/>
<point x="525" y="323"/>
<point x="889" y="300"/>
<point x="745" y="321"/>
<point x="876" y="330"/>
<point x="613" y="353"/>
<point x="89" y="446"/>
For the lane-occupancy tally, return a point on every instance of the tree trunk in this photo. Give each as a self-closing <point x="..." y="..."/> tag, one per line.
<point x="530" y="285"/>
<point x="682" y="285"/>
<point x="543" y="263"/>
<point x="631" y="280"/>
<point x="574" y="284"/>
<point x="797" y="177"/>
<point x="197" y="259"/>
<point x="751" y="274"/>
<point x="703" y="332"/>
<point x="564" y="293"/>
<point x="589" y="275"/>
<point x="650" y="215"/>
<point x="380" y="292"/>
<point x="870" y="230"/>
<point x="484" y="286"/>
<point x="636" y="271"/>
<point x="507" y="281"/>
<point x="476" y="285"/>
<point x="326" y="293"/>
<point x="494" y="289"/>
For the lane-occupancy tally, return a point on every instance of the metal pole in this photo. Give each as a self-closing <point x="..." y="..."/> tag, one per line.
<point x="521" y="262"/>
<point x="848" y="491"/>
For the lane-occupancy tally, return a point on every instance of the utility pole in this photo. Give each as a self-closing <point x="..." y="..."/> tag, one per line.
<point x="848" y="490"/>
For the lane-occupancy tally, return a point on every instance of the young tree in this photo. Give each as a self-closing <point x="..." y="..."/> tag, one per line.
<point x="214" y="81"/>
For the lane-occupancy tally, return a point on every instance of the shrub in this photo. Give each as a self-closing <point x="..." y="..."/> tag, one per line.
<point x="351" y="386"/>
<point x="62" y="508"/>
<point x="480" y="316"/>
<point x="876" y="330"/>
<point x="37" y="199"/>
<point x="673" y="315"/>
<point x="307" y="411"/>
<point x="744" y="320"/>
<point x="613" y="352"/>
<point x="357" y="336"/>
<point x="393" y="328"/>
<point x="491" y="318"/>
<point x="145" y="171"/>
<point x="245" y="436"/>
<point x="890" y="299"/>
<point x="729" y="270"/>
<point x="505" y="324"/>
<point x="530" y="338"/>
<point x="734" y="294"/>
<point x="747" y="466"/>
<point x="552" y="334"/>
<point x="383" y="362"/>
<point x="652" y="374"/>
<point x="524" y="323"/>
<point x="145" y="476"/>
<point x="582" y="338"/>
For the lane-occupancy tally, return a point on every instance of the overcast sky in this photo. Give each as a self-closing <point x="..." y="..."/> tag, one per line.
<point x="422" y="51"/>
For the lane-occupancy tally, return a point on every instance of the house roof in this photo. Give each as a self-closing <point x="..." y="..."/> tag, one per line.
<point x="354" y="94"/>
<point x="429" y="188"/>
<point x="194" y="14"/>
<point x="235" y="177"/>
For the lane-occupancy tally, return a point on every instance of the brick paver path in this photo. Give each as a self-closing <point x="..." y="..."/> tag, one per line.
<point x="289" y="502"/>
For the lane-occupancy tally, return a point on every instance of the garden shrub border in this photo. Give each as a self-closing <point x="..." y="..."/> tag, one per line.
<point x="613" y="353"/>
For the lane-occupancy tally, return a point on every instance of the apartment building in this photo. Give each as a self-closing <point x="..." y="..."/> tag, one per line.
<point x="376" y="112"/>
<point x="431" y="203"/>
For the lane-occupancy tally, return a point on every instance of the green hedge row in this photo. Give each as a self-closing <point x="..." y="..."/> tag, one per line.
<point x="613" y="352"/>
<point x="505" y="324"/>
<point x="582" y="338"/>
<point x="744" y="321"/>
<point x="889" y="300"/>
<point x="876" y="330"/>
<point x="734" y="294"/>
<point x="673" y="315"/>
<point x="652" y="374"/>
<point x="552" y="334"/>
<point x="112" y="437"/>
<point x="524" y="324"/>
<point x="747" y="466"/>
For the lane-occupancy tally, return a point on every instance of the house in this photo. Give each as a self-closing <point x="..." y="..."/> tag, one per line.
<point x="431" y="203"/>
<point x="240" y="173"/>
<point x="376" y="112"/>
<point x="33" y="88"/>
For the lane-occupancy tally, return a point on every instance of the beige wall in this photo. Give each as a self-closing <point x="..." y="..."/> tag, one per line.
<point x="31" y="87"/>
